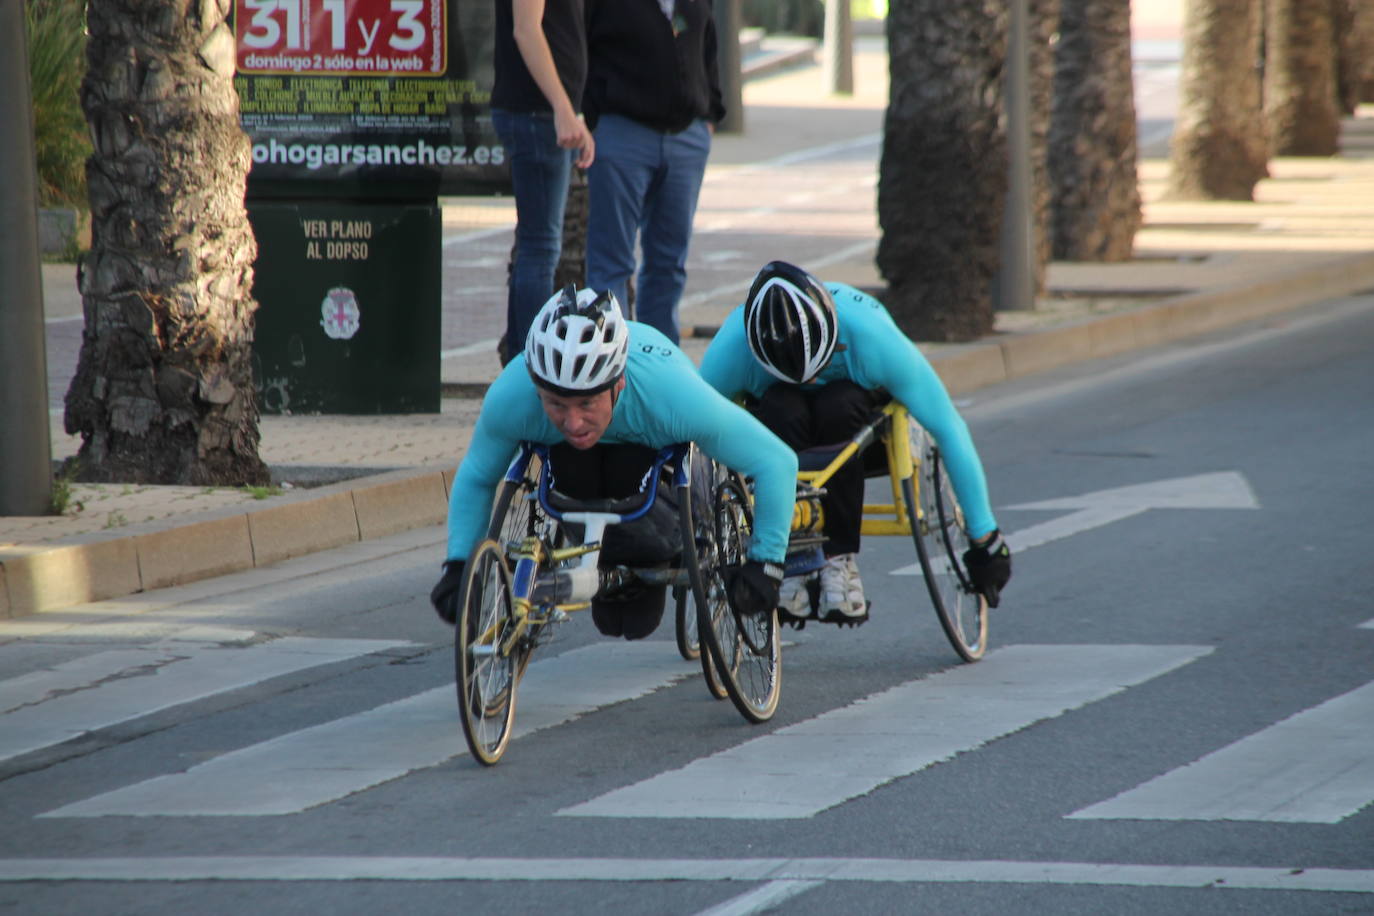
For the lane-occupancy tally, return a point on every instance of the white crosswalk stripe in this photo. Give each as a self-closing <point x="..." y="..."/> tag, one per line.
<point x="54" y="705"/>
<point x="316" y="765"/>
<point x="808" y="767"/>
<point x="1314" y="767"/>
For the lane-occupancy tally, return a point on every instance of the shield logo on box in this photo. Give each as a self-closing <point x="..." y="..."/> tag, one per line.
<point x="341" y="317"/>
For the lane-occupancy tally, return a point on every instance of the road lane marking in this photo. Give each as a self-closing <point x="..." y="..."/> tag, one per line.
<point x="805" y="768"/>
<point x="901" y="871"/>
<point x="48" y="707"/>
<point x="1315" y="767"/>
<point x="761" y="899"/>
<point x="316" y="765"/>
<point x="1220" y="490"/>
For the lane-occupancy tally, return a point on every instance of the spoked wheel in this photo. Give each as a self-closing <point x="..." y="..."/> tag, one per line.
<point x="688" y="639"/>
<point x="940" y="544"/>
<point x="705" y="474"/>
<point x="688" y="643"/>
<point x="516" y="513"/>
<point x="487" y="674"/>
<point x="751" y="676"/>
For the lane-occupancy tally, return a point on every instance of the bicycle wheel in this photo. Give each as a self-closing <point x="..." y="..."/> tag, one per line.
<point x="940" y="544"/>
<point x="745" y="651"/>
<point x="704" y="477"/>
<point x="688" y="640"/>
<point x="705" y="474"/>
<point x="516" y="513"/>
<point x="486" y="676"/>
<point x="685" y="623"/>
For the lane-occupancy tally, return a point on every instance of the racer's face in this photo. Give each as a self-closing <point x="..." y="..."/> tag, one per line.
<point x="582" y="420"/>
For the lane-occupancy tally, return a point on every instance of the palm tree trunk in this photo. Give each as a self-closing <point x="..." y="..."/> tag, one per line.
<point x="163" y="391"/>
<point x="1301" y="95"/>
<point x="1219" y="150"/>
<point x="1093" y="134"/>
<point x="942" y="179"/>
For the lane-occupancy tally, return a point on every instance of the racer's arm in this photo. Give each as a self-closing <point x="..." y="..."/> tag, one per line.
<point x="726" y="432"/>
<point x="730" y="435"/>
<point x="914" y="382"/>
<point x="890" y="360"/>
<point x="506" y="418"/>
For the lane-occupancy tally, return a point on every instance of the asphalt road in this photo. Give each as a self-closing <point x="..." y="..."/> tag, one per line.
<point x="1173" y="716"/>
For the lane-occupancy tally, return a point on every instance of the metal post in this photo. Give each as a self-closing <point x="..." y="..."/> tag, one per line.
<point x="729" y="20"/>
<point x="839" y="47"/>
<point x="25" y="447"/>
<point x="1014" y="285"/>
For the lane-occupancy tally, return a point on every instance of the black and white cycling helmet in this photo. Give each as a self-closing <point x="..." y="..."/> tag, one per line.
<point x="789" y="319"/>
<point x="578" y="343"/>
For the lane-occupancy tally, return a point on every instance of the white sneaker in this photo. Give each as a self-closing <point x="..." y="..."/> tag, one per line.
<point x="793" y="598"/>
<point x="842" y="593"/>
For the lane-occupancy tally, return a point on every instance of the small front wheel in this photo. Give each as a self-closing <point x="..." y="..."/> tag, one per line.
<point x="487" y="663"/>
<point x="938" y="530"/>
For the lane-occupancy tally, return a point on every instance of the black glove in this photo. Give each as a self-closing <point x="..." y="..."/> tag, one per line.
<point x="989" y="567"/>
<point x="753" y="587"/>
<point x="445" y="594"/>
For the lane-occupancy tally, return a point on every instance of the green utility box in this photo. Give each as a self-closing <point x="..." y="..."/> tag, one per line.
<point x="349" y="297"/>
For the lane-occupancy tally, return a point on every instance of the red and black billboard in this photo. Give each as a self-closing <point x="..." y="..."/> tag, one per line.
<point x="368" y="98"/>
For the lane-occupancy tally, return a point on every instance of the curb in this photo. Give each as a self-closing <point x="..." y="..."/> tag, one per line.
<point x="95" y="568"/>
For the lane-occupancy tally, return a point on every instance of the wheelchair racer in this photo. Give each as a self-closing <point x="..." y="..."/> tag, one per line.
<point x="606" y="394"/>
<point x="810" y="359"/>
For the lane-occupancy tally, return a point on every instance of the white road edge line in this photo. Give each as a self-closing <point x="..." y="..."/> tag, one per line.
<point x="902" y="871"/>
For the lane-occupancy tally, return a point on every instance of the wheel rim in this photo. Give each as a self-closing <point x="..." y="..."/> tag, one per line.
<point x="750" y="647"/>
<point x="517" y="513"/>
<point x="942" y="541"/>
<point x="688" y="640"/>
<point x="486" y="677"/>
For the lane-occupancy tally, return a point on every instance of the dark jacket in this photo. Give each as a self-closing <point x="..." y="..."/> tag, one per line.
<point x="514" y="88"/>
<point x="640" y="69"/>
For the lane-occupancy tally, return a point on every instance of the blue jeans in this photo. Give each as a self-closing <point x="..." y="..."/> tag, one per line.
<point x="540" y="171"/>
<point x="644" y="183"/>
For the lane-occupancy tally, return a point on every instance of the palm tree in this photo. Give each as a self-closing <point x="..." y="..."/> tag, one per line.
<point x="1093" y="134"/>
<point x="1219" y="150"/>
<point x="1301" y="92"/>
<point x="1042" y="27"/>
<point x="942" y="178"/>
<point x="163" y="390"/>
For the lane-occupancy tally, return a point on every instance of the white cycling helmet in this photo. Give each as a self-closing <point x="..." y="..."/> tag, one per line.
<point x="578" y="343"/>
<point x="789" y="319"/>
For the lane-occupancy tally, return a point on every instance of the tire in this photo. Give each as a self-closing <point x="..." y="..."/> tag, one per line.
<point x="751" y="677"/>
<point x="486" y="678"/>
<point x="688" y="639"/>
<point x="941" y="540"/>
<point x="705" y="473"/>
<point x="685" y="623"/>
<point x="516" y="513"/>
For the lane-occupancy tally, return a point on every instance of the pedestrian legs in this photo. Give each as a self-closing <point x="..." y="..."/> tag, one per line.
<point x="627" y="160"/>
<point x="540" y="173"/>
<point x="667" y="228"/>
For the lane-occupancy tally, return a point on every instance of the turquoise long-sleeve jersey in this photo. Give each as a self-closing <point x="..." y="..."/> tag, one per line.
<point x="664" y="402"/>
<point x="872" y="352"/>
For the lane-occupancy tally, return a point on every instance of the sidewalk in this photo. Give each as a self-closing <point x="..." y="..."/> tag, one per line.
<point x="802" y="173"/>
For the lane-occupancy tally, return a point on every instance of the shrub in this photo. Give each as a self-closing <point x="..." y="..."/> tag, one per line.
<point x="57" y="62"/>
